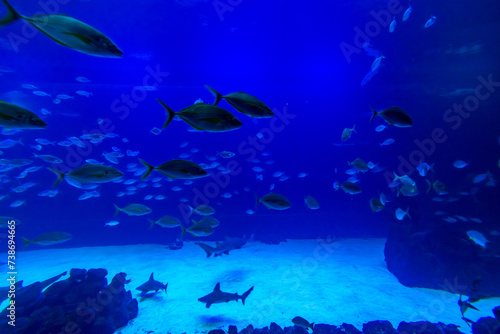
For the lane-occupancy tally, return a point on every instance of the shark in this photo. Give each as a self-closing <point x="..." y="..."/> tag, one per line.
<point x="218" y="296"/>
<point x="151" y="285"/>
<point x="223" y="247"/>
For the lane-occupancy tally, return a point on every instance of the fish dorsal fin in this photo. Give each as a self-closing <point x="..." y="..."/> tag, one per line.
<point x="151" y="277"/>
<point x="217" y="287"/>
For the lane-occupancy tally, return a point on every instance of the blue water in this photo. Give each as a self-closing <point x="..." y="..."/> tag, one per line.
<point x="289" y="55"/>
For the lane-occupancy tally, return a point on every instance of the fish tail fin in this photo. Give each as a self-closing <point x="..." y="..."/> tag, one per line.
<point x="408" y="212"/>
<point x="12" y="16"/>
<point x="208" y="249"/>
<point x="429" y="184"/>
<point x="148" y="171"/>
<point x="26" y="242"/>
<point x="117" y="209"/>
<point x="183" y="231"/>
<point x="191" y="210"/>
<point x="216" y="94"/>
<point x="375" y="113"/>
<point x="152" y="223"/>
<point x="60" y="176"/>
<point x="354" y="128"/>
<point x="245" y="295"/>
<point x="170" y="114"/>
<point x="257" y="200"/>
<point x="311" y="326"/>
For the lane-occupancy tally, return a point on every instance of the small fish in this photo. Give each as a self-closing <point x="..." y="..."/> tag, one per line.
<point x="450" y="219"/>
<point x="438" y="186"/>
<point x="359" y="164"/>
<point x="423" y="168"/>
<point x="165" y="221"/>
<point x="460" y="164"/>
<point x="57" y="101"/>
<point x="244" y="103"/>
<point x="15" y="117"/>
<point x="68" y="32"/>
<point x="198" y="229"/>
<point x="301" y="322"/>
<point x="48" y="158"/>
<point x="369" y="76"/>
<point x="387" y="142"/>
<point x="302" y="175"/>
<point x="82" y="79"/>
<point x="134" y="209"/>
<point x="350" y="188"/>
<point x="41" y="93"/>
<point x="17" y="203"/>
<point x="400" y="213"/>
<point x="29" y="86"/>
<point x="381" y="128"/>
<point x="430" y="22"/>
<point x="394" y="116"/>
<point x="376" y="205"/>
<point x="311" y="202"/>
<point x="346" y="134"/>
<point x="479" y="178"/>
<point x="44" y="141"/>
<point x="226" y="154"/>
<point x="8" y="143"/>
<point x="478" y="238"/>
<point x="377" y="62"/>
<point x="273" y="201"/>
<point x="203" y="210"/>
<point x="112" y="223"/>
<point x="47" y="239"/>
<point x="407" y="13"/>
<point x="65" y="97"/>
<point x="155" y="131"/>
<point x="392" y="26"/>
<point x="84" y="93"/>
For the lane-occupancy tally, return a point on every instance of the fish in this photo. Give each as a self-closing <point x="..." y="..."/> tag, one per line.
<point x="204" y="117"/>
<point x="15" y="117"/>
<point x="151" y="285"/>
<point x="208" y="220"/>
<point x="408" y="190"/>
<point x="478" y="238"/>
<point x="369" y="76"/>
<point x="423" y="168"/>
<point x="134" y="209"/>
<point x="377" y="62"/>
<point x="176" y="169"/>
<point x="226" y="154"/>
<point x="244" y="103"/>
<point x="202" y="210"/>
<point x="406" y="14"/>
<point x="359" y="164"/>
<point x="311" y="202"/>
<point x="400" y="213"/>
<point x="218" y="296"/>
<point x="393" y="116"/>
<point x="47" y="239"/>
<point x="381" y="128"/>
<point x="438" y="186"/>
<point x="84" y="93"/>
<point x="392" y="26"/>
<point x="198" y="229"/>
<point x="273" y="201"/>
<point x="460" y="164"/>
<point x="48" y="158"/>
<point x="376" y="205"/>
<point x="346" y="134"/>
<point x="350" y="188"/>
<point x="387" y="142"/>
<point x="465" y="305"/>
<point x="112" y="223"/>
<point x="165" y="221"/>
<point x="82" y="79"/>
<point x="8" y="143"/>
<point x="89" y="174"/>
<point x="430" y="22"/>
<point x="4" y="221"/>
<point x="68" y="32"/>
<point x="223" y="247"/>
<point x="301" y="322"/>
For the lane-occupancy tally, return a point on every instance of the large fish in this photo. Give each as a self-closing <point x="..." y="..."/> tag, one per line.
<point x="273" y="201"/>
<point x="15" y="117"/>
<point x="394" y="116"/>
<point x="218" y="296"/>
<point x="151" y="285"/>
<point x="244" y="103"/>
<point x="90" y="174"/>
<point x="68" y="32"/>
<point x="47" y="239"/>
<point x="204" y="117"/>
<point x="176" y="169"/>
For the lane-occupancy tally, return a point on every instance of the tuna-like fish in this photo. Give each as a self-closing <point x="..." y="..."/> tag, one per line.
<point x="16" y="117"/>
<point x="47" y="239"/>
<point x="244" y="103"/>
<point x="89" y="174"/>
<point x="152" y="285"/>
<point x="274" y="201"/>
<point x="204" y="117"/>
<point x="394" y="116"/>
<point x="346" y="134"/>
<point x="218" y="296"/>
<point x="176" y="169"/>
<point x="68" y="32"/>
<point x="134" y="209"/>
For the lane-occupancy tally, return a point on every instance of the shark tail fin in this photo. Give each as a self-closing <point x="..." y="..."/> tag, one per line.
<point x="208" y="249"/>
<point x="245" y="295"/>
<point x="26" y="242"/>
<point x="311" y="326"/>
<point x="170" y="114"/>
<point x="12" y="16"/>
<point x="60" y="176"/>
<point x="183" y="231"/>
<point x="216" y="94"/>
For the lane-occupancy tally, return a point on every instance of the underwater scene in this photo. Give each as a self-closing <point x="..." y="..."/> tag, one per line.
<point x="248" y="166"/>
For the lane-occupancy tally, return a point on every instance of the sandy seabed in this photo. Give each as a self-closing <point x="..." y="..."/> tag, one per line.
<point x="345" y="281"/>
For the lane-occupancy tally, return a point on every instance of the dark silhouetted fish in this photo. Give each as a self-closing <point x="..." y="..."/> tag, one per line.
<point x="15" y="117"/>
<point x="151" y="285"/>
<point x="394" y="116"/>
<point x="218" y="296"/>
<point x="244" y="103"/>
<point x="223" y="247"/>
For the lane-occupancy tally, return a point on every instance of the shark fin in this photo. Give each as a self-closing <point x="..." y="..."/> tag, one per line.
<point x="208" y="305"/>
<point x="245" y="295"/>
<point x="151" y="277"/>
<point x="217" y="288"/>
